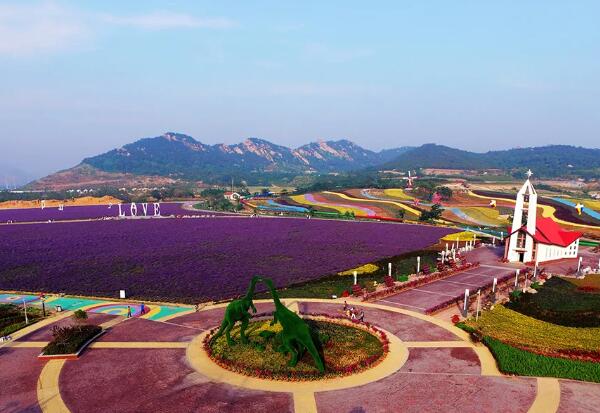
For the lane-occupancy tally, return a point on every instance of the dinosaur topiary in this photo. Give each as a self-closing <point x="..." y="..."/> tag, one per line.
<point x="295" y="334"/>
<point x="237" y="310"/>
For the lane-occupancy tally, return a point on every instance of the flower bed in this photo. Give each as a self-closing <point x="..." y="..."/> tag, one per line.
<point x="512" y="360"/>
<point x="70" y="339"/>
<point x="415" y="282"/>
<point x="527" y="333"/>
<point x="348" y="347"/>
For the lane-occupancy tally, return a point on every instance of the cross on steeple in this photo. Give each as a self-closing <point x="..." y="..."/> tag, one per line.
<point x="528" y="173"/>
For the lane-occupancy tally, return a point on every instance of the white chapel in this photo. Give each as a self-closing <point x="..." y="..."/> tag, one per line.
<point x="534" y="239"/>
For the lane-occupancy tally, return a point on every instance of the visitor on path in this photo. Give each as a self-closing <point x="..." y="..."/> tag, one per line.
<point x="142" y="309"/>
<point x="361" y="316"/>
<point x="196" y="308"/>
<point x="128" y="311"/>
<point x="345" y="306"/>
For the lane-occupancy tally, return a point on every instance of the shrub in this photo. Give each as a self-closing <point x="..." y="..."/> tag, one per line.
<point x="515" y="295"/>
<point x="69" y="339"/>
<point x="402" y="278"/>
<point x="80" y="315"/>
<point x="559" y="301"/>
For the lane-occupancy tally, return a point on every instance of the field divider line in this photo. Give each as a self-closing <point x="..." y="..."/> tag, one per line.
<point x="459" y="283"/>
<point x="179" y="325"/>
<point x="547" y="399"/>
<point x="304" y="402"/>
<point x="400" y="304"/>
<point x="29" y="344"/>
<point x="434" y="292"/>
<point x="438" y="344"/>
<point x="498" y="267"/>
<point x="48" y="391"/>
<point x="113" y="322"/>
<point x="479" y="274"/>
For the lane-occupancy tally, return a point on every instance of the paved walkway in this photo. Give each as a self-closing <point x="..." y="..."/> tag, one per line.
<point x="430" y="295"/>
<point x="146" y="365"/>
<point x="157" y="312"/>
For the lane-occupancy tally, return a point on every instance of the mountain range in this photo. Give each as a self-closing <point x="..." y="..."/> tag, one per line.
<point x="174" y="156"/>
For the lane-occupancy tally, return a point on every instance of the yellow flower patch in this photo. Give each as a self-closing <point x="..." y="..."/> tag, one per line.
<point x="363" y="269"/>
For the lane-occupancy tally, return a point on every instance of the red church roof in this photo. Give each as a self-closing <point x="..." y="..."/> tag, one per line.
<point x="547" y="231"/>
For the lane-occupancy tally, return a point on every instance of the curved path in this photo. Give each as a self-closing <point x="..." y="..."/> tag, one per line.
<point x="158" y="366"/>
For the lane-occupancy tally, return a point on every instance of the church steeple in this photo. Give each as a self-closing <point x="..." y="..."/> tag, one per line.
<point x="525" y="206"/>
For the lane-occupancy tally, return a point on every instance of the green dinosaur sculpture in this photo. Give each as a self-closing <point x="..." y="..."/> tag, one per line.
<point x="237" y="310"/>
<point x="295" y="335"/>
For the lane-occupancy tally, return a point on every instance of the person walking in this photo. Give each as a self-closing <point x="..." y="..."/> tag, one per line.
<point x="361" y="316"/>
<point x="128" y="311"/>
<point x="142" y="309"/>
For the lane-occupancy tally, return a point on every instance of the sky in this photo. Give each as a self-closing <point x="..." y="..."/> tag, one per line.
<point x="81" y="78"/>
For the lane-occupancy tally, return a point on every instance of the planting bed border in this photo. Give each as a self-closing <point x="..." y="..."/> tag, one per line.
<point x="70" y="356"/>
<point x="348" y="370"/>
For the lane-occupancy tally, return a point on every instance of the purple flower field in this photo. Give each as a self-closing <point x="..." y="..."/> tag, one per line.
<point x="89" y="212"/>
<point x="191" y="260"/>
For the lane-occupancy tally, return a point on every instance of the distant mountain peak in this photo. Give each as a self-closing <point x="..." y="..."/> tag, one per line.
<point x="175" y="154"/>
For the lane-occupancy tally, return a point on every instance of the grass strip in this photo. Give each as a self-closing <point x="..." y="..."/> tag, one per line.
<point x="512" y="360"/>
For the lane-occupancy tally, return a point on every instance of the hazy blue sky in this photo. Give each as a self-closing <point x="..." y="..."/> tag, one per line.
<point x="79" y="78"/>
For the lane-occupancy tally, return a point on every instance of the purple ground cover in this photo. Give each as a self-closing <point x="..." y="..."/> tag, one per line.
<point x="89" y="212"/>
<point x="193" y="259"/>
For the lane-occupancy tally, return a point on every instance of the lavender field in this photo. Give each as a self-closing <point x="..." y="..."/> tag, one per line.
<point x="88" y="212"/>
<point x="195" y="259"/>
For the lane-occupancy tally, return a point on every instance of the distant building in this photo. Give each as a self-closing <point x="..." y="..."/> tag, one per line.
<point x="536" y="240"/>
<point x="231" y="196"/>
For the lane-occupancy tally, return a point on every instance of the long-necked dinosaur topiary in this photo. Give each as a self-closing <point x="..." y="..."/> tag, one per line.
<point x="295" y="334"/>
<point x="237" y="310"/>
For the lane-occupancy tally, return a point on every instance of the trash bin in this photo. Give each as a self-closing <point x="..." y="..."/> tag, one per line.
<point x="59" y="308"/>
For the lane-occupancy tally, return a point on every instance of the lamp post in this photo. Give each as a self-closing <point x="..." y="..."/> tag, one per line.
<point x="25" y="307"/>
<point x="478" y="305"/>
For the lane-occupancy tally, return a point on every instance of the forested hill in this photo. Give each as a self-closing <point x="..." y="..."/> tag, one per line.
<point x="550" y="161"/>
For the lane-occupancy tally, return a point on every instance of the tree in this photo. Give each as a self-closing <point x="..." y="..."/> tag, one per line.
<point x="444" y="191"/>
<point x="400" y="213"/>
<point x="434" y="213"/>
<point x="156" y="194"/>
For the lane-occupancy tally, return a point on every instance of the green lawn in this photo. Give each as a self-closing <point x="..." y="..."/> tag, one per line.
<point x="336" y="284"/>
<point x="12" y="318"/>
<point x="561" y="301"/>
<point x="512" y="360"/>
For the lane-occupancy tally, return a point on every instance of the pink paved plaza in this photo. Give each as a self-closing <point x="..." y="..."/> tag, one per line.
<point x="142" y="365"/>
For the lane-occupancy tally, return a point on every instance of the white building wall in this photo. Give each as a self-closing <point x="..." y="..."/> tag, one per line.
<point x="547" y="252"/>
